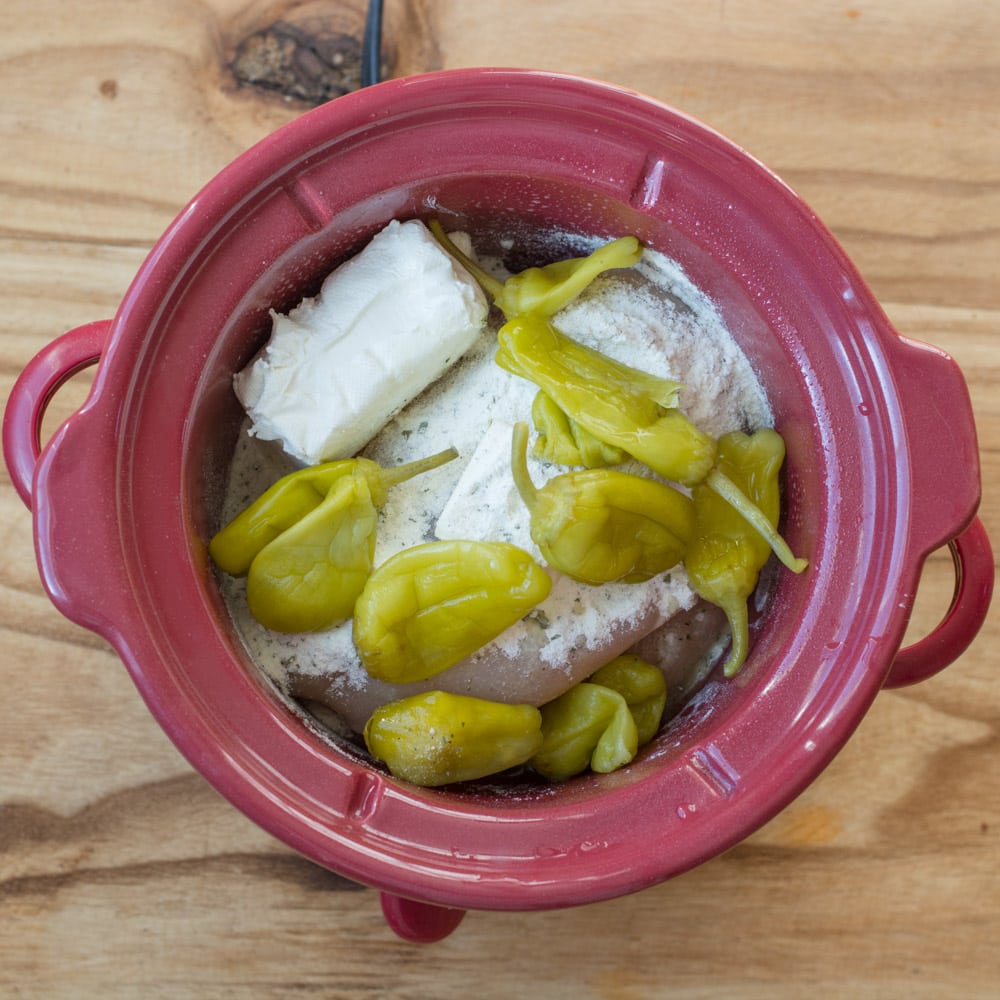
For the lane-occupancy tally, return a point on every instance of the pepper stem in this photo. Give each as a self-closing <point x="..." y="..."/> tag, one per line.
<point x="490" y="285"/>
<point x="519" y="466"/>
<point x="400" y="473"/>
<point x="736" y="498"/>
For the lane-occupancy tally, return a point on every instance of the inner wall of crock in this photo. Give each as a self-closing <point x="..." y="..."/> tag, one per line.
<point x="533" y="217"/>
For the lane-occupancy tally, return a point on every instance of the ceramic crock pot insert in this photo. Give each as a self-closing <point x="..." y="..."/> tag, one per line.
<point x="128" y="491"/>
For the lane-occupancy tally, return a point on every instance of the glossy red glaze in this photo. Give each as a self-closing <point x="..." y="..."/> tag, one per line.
<point x="126" y="493"/>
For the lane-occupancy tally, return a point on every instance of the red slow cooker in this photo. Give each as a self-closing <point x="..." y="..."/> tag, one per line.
<point x="127" y="492"/>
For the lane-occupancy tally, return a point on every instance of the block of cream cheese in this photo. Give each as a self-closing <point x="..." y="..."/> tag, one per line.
<point x="384" y="326"/>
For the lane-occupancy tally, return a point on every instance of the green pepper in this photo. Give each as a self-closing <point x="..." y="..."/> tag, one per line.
<point x="643" y="687"/>
<point x="545" y="290"/>
<point x="429" y="606"/>
<point x="723" y="570"/>
<point x="728" y="551"/>
<point x="620" y="405"/>
<point x="437" y="738"/>
<point x="603" y="525"/>
<point x="602" y="722"/>
<point x="309" y="577"/>
<point x="563" y="441"/>
<point x="587" y="726"/>
<point x="234" y="547"/>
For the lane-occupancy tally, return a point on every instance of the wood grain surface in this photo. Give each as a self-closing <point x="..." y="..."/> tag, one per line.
<point x="122" y="874"/>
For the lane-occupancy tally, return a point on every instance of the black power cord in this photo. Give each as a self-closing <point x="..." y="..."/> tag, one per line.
<point x="371" y="48"/>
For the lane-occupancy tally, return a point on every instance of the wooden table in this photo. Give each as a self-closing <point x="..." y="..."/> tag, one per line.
<point x="123" y="874"/>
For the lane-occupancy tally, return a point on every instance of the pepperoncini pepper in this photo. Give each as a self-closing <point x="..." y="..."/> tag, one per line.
<point x="620" y="405"/>
<point x="309" y="577"/>
<point x="643" y="687"/>
<point x="437" y="738"/>
<point x="293" y="496"/>
<point x="431" y="605"/>
<point x="727" y="553"/>
<point x="289" y="500"/>
<point x="543" y="291"/>
<point x="602" y="525"/>
<point x="587" y="726"/>
<point x="563" y="441"/>
<point x="308" y="556"/>
<point x="602" y="722"/>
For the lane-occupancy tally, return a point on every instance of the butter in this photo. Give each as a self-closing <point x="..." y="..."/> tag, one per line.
<point x="384" y="326"/>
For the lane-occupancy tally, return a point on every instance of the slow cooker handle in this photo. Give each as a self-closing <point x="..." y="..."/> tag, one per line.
<point x="974" y="573"/>
<point x="65" y="484"/>
<point x="50" y="368"/>
<point x="940" y="429"/>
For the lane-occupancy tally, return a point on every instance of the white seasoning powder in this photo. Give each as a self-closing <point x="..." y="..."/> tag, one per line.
<point x="651" y="317"/>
